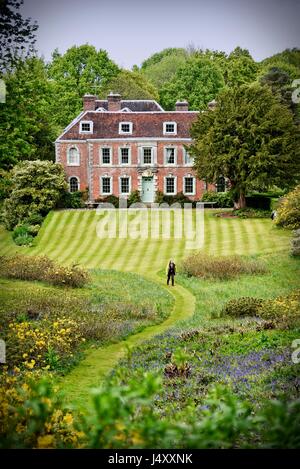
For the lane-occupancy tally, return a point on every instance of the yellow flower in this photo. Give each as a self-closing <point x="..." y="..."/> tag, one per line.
<point x="68" y="419"/>
<point x="25" y="355"/>
<point x="45" y="441"/>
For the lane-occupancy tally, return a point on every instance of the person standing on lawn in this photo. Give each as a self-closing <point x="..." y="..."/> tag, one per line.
<point x="171" y="272"/>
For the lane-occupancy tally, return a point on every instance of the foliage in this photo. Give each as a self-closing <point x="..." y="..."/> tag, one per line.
<point x="222" y="199"/>
<point x="198" y="82"/>
<point x="202" y="265"/>
<point x="17" y="34"/>
<point x="5" y="184"/>
<point x="224" y="141"/>
<point x="259" y="201"/>
<point x="78" y="71"/>
<point x="288" y="212"/>
<point x="27" y="127"/>
<point x="32" y="415"/>
<point x="283" y="311"/>
<point x="36" y="188"/>
<point x="123" y="417"/>
<point x="23" y="234"/>
<point x="295" y="243"/>
<point x="240" y="68"/>
<point x="72" y="199"/>
<point x="251" y="213"/>
<point x="159" y="56"/>
<point x="243" y="306"/>
<point x="179" y="198"/>
<point x="109" y="199"/>
<point x="130" y="85"/>
<point x="134" y="198"/>
<point x="162" y="67"/>
<point x="44" y="269"/>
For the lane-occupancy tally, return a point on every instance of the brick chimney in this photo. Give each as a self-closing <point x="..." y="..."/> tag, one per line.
<point x="181" y="106"/>
<point x="114" y="102"/>
<point x="89" y="102"/>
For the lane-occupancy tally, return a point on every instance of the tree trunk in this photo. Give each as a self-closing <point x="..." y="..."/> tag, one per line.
<point x="240" y="202"/>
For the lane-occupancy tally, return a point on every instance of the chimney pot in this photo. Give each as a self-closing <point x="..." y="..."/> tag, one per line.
<point x="181" y="106"/>
<point x="114" y="102"/>
<point x="89" y="102"/>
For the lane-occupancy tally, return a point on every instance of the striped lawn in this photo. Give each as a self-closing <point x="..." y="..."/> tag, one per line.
<point x="70" y="236"/>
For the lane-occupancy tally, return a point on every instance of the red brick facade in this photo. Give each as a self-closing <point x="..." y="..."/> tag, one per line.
<point x="117" y="147"/>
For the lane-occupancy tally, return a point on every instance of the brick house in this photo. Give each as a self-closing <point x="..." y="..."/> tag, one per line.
<point x="117" y="146"/>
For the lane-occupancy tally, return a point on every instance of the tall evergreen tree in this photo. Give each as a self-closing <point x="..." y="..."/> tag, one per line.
<point x="250" y="138"/>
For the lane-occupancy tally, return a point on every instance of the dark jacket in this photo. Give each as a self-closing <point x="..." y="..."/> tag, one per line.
<point x="172" y="269"/>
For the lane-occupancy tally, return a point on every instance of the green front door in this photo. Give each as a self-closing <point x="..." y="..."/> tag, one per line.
<point x="147" y="190"/>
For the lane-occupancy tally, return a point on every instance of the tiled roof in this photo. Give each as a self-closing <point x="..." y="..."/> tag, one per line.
<point x="133" y="105"/>
<point x="146" y="124"/>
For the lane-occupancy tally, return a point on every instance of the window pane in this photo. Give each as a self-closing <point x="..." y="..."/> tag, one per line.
<point x="73" y="156"/>
<point x="124" y="155"/>
<point x="125" y="127"/>
<point x="73" y="184"/>
<point x="170" y="155"/>
<point x="170" y="128"/>
<point x="170" y="185"/>
<point x="85" y="127"/>
<point x="106" y="155"/>
<point x="189" y="185"/>
<point x="125" y="185"/>
<point x="106" y="185"/>
<point x="147" y="155"/>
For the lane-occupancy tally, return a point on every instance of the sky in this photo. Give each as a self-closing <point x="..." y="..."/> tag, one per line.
<point x="132" y="30"/>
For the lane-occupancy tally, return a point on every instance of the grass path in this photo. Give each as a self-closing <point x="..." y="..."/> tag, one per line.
<point x="99" y="362"/>
<point x="69" y="236"/>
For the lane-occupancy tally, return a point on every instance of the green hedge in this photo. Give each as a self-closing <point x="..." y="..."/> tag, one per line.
<point x="222" y="199"/>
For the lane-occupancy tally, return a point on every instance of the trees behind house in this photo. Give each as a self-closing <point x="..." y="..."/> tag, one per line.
<point x="17" y="35"/>
<point x="27" y="129"/>
<point x="250" y="138"/>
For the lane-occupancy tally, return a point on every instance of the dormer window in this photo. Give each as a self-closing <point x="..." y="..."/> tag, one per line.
<point x="86" y="127"/>
<point x="170" y="128"/>
<point x="125" y="128"/>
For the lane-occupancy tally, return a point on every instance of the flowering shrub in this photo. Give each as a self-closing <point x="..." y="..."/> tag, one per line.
<point x="42" y="268"/>
<point x="31" y="345"/>
<point x="30" y="415"/>
<point x="288" y="212"/>
<point x="244" y="306"/>
<point x="203" y="266"/>
<point x="283" y="311"/>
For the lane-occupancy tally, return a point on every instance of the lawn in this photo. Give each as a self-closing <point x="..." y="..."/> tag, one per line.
<point x="175" y="325"/>
<point x="70" y="236"/>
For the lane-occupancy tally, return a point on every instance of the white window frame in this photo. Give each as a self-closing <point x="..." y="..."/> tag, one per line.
<point x="69" y="183"/>
<point x="190" y="176"/>
<point x="68" y="155"/>
<point x="152" y="156"/>
<point x="110" y="155"/>
<point x="185" y="153"/>
<point x="120" y="156"/>
<point x="129" y="188"/>
<point x="165" y="128"/>
<point x="86" y="131"/>
<point x="106" y="176"/>
<point x="175" y="184"/>
<point x="165" y="155"/>
<point x="121" y="132"/>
